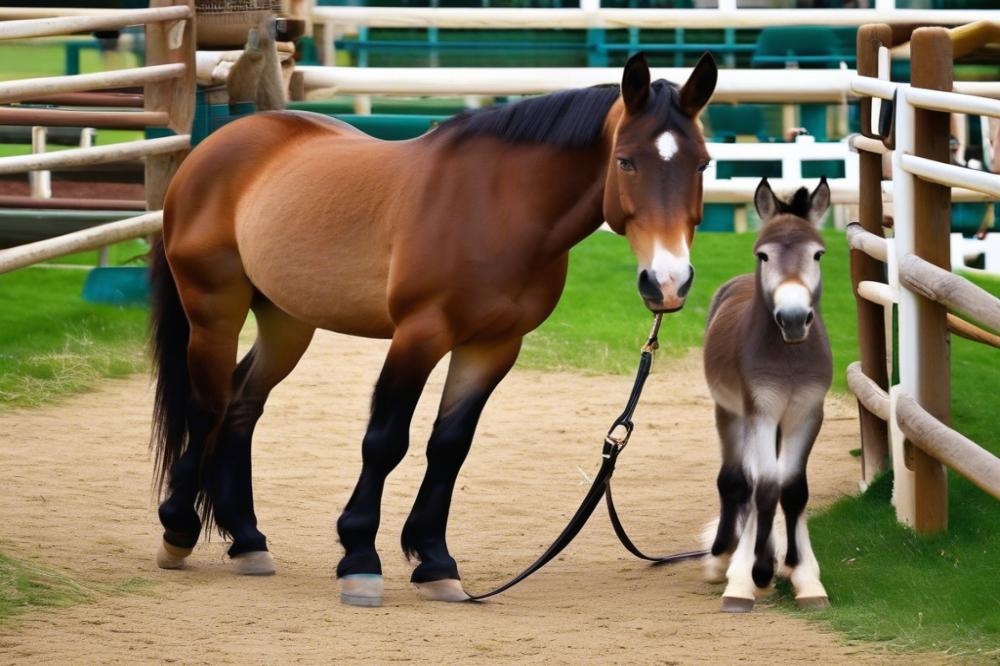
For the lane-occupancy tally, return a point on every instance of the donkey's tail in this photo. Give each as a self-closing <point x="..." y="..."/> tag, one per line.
<point x="169" y="334"/>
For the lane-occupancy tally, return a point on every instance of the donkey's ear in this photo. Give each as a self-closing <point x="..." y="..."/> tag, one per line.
<point x="700" y="86"/>
<point x="764" y="200"/>
<point x="635" y="83"/>
<point x="819" y="201"/>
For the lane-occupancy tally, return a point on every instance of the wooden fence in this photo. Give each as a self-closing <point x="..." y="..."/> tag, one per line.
<point x="909" y="423"/>
<point x="168" y="101"/>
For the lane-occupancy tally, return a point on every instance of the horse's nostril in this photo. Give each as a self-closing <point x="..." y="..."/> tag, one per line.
<point x="686" y="287"/>
<point x="648" y="289"/>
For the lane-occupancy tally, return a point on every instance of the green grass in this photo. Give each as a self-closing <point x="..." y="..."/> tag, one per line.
<point x="886" y="584"/>
<point x="26" y="586"/>
<point x="53" y="343"/>
<point x="600" y="322"/>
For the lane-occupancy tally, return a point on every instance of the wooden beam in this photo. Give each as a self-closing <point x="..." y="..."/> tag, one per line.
<point x="97" y="119"/>
<point x="99" y="99"/>
<point x="64" y="25"/>
<point x="75" y="157"/>
<point x="80" y="241"/>
<point x="970" y="331"/>
<point x="944" y="445"/>
<point x="868" y="393"/>
<point x="15" y="91"/>
<point x="66" y="203"/>
<point x="950" y="290"/>
<point x="872" y="245"/>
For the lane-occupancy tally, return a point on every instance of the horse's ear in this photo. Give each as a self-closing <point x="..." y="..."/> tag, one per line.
<point x="765" y="201"/>
<point x="819" y="201"/>
<point x="635" y="83"/>
<point x="700" y="86"/>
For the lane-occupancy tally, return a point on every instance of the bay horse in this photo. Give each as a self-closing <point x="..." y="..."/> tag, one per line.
<point x="456" y="241"/>
<point x="769" y="367"/>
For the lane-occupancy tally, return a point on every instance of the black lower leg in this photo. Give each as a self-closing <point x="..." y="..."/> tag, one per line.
<point x="734" y="492"/>
<point x="423" y="535"/>
<point x="767" y="503"/>
<point x="178" y="512"/>
<point x="228" y="477"/>
<point x="384" y="446"/>
<point x="794" y="495"/>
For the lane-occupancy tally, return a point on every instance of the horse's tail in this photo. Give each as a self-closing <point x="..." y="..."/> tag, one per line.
<point x="169" y="334"/>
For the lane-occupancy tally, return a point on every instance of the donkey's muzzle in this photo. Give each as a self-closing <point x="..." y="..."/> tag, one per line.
<point x="794" y="323"/>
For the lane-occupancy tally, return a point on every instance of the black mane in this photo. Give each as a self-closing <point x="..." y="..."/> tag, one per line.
<point x="567" y="119"/>
<point x="798" y="205"/>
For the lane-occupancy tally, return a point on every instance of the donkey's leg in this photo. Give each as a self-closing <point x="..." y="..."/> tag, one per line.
<point x="799" y="431"/>
<point x="760" y="463"/>
<point x="473" y="373"/>
<point x="734" y="493"/>
<point x="416" y="348"/>
<point x="281" y="341"/>
<point x="216" y="310"/>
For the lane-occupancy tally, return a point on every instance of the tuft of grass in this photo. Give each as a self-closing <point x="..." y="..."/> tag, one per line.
<point x="26" y="586"/>
<point x="53" y="343"/>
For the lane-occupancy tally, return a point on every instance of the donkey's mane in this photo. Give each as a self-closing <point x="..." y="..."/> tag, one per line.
<point x="566" y="119"/>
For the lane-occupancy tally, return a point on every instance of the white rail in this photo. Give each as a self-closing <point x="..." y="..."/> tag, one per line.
<point x="951" y="175"/>
<point x="495" y="18"/>
<point x="80" y="241"/>
<point x="43" y="27"/>
<point x="776" y="86"/>
<point x="12" y="91"/>
<point x="76" y="157"/>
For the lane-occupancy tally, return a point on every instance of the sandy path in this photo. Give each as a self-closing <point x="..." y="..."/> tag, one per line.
<point x="74" y="492"/>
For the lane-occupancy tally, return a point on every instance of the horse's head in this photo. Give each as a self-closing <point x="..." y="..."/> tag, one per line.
<point x="788" y="252"/>
<point x="653" y="192"/>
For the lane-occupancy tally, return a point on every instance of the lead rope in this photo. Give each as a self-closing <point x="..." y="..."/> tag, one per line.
<point x="614" y="442"/>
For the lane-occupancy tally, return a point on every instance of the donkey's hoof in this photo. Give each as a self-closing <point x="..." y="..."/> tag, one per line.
<point x="715" y="569"/>
<point x="812" y="603"/>
<point x="448" y="589"/>
<point x="736" y="605"/>
<point x="362" y="590"/>
<point x="254" y="563"/>
<point x="169" y="556"/>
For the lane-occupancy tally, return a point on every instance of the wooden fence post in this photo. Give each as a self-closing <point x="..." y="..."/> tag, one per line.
<point x="932" y="67"/>
<point x="169" y="42"/>
<point x="871" y="318"/>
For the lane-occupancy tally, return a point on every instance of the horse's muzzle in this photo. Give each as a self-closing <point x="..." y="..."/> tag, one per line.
<point x="657" y="299"/>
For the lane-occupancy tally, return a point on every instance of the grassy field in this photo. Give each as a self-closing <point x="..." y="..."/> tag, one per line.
<point x="886" y="584"/>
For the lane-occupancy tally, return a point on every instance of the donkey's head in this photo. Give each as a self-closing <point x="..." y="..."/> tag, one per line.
<point x="653" y="191"/>
<point x="788" y="252"/>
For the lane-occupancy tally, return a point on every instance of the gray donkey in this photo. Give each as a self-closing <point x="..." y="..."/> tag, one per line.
<point x="768" y="366"/>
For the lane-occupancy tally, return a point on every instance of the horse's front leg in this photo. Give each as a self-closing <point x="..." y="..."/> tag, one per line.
<point x="799" y="431"/>
<point x="416" y="348"/>
<point x="754" y="556"/>
<point x="473" y="373"/>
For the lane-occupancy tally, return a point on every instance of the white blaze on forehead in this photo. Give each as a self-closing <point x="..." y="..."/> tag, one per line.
<point x="792" y="296"/>
<point x="669" y="266"/>
<point x="667" y="145"/>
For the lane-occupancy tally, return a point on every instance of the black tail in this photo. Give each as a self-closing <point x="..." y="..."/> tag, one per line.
<point x="169" y="334"/>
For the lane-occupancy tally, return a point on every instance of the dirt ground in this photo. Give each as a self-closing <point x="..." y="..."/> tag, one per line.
<point x="75" y="495"/>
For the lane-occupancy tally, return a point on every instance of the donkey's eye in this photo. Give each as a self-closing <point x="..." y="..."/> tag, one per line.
<point x="818" y="254"/>
<point x="704" y="165"/>
<point x="762" y="256"/>
<point x="625" y="164"/>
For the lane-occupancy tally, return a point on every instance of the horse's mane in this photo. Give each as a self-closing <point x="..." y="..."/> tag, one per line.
<point x="566" y="119"/>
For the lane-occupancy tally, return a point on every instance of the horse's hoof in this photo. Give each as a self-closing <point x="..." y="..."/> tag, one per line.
<point x="362" y="590"/>
<point x="448" y="589"/>
<point x="254" y="563"/>
<point x="812" y="603"/>
<point x="736" y="605"/>
<point x="169" y="556"/>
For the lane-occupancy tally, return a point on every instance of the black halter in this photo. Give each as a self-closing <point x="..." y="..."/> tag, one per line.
<point x="614" y="443"/>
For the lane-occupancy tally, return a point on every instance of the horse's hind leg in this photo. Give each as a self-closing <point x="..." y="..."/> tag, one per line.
<point x="474" y="371"/>
<point x="734" y="493"/>
<point x="216" y="307"/>
<point x="417" y="345"/>
<point x="281" y="341"/>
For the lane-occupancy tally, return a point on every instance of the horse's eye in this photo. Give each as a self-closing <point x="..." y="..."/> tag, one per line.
<point x="625" y="164"/>
<point x="704" y="166"/>
<point x="762" y="256"/>
<point x="818" y="254"/>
